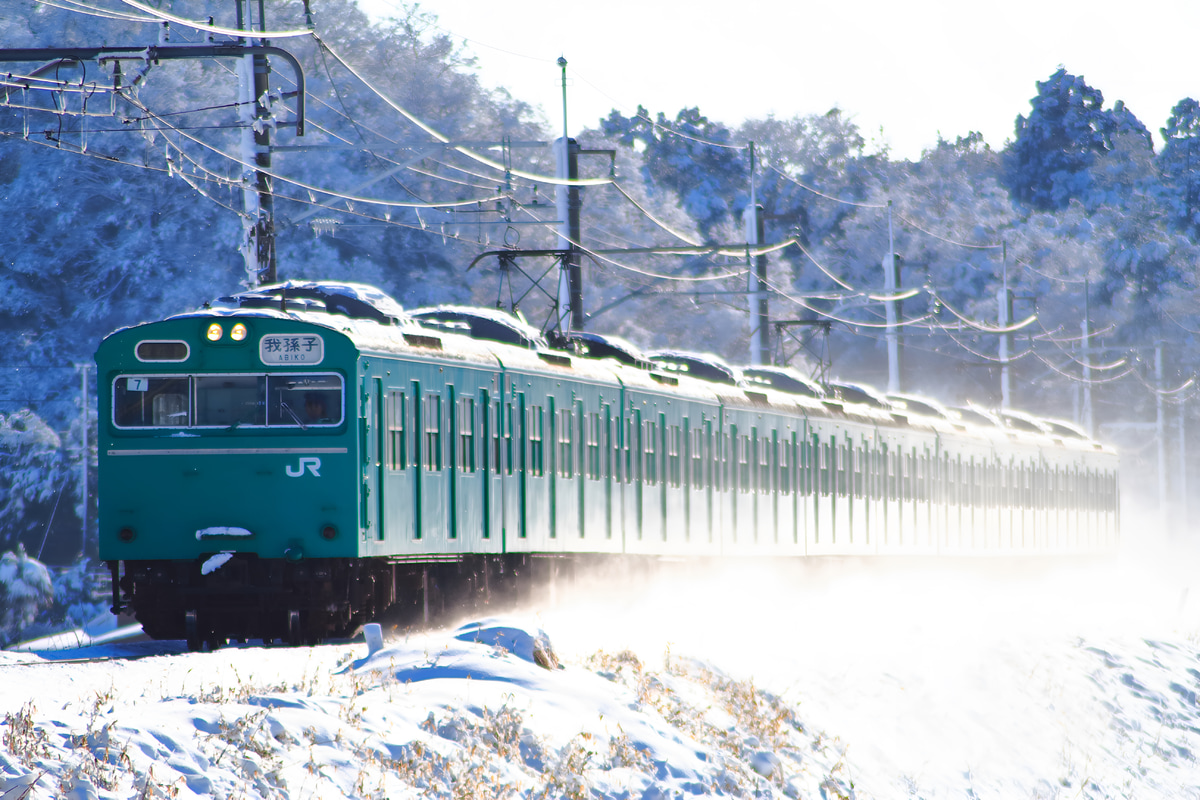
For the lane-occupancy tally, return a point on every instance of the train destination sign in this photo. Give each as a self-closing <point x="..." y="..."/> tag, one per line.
<point x="304" y="348"/>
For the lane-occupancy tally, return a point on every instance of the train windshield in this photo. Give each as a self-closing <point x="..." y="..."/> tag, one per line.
<point x="223" y="401"/>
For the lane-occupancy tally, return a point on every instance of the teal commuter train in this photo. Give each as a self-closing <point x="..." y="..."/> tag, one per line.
<point x="291" y="461"/>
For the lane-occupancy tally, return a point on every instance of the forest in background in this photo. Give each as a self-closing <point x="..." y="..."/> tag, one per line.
<point x="126" y="207"/>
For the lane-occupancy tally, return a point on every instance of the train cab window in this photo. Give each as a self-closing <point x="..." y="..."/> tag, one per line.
<point x="223" y="400"/>
<point x="151" y="402"/>
<point x="303" y="400"/>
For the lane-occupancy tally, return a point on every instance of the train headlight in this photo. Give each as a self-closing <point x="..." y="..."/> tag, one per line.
<point x="328" y="533"/>
<point x="127" y="535"/>
<point x="215" y="332"/>
<point x="238" y="332"/>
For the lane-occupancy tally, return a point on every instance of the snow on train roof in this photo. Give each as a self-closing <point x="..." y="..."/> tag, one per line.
<point x="377" y="321"/>
<point x="492" y="324"/>
<point x="355" y="300"/>
<point x="704" y="366"/>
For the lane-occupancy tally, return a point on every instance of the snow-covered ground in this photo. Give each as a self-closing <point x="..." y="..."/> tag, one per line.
<point x="832" y="679"/>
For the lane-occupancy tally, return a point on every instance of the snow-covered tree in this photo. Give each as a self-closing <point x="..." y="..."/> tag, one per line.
<point x="1179" y="163"/>
<point x="25" y="588"/>
<point x="33" y="474"/>
<point x="1049" y="162"/>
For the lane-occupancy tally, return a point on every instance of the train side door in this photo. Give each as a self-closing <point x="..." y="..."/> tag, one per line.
<point x="432" y="491"/>
<point x="370" y="488"/>
<point x="493" y="469"/>
<point x="397" y="469"/>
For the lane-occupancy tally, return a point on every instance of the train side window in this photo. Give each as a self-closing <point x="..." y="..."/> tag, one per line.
<point x="466" y="434"/>
<point x="537" y="461"/>
<point x="394" y="411"/>
<point x="432" y="419"/>
<point x="143" y="401"/>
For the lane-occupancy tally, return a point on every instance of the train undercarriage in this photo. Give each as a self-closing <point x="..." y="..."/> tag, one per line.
<point x="309" y="601"/>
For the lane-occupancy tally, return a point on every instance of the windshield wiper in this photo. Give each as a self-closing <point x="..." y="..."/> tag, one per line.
<point x="292" y="414"/>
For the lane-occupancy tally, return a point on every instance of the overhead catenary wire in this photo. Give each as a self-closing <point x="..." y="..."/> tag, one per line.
<point x="163" y="16"/>
<point x="677" y="234"/>
<point x="819" y="193"/>
<point x="332" y="193"/>
<point x="429" y="129"/>
<point x="76" y="7"/>
<point x="914" y="225"/>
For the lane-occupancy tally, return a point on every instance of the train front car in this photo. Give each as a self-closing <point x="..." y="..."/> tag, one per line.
<point x="228" y="484"/>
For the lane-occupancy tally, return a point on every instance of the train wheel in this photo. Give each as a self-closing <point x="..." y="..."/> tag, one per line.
<point x="295" y="636"/>
<point x="194" y="643"/>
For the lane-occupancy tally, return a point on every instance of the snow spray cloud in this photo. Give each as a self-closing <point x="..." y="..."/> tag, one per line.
<point x="941" y="676"/>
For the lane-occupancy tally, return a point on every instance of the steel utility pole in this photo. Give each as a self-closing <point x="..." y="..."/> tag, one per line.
<point x="566" y="196"/>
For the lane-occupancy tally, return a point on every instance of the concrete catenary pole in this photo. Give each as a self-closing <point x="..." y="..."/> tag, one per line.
<point x="1160" y="433"/>
<point x="891" y="287"/>
<point x="258" y="245"/>
<point x="756" y="280"/>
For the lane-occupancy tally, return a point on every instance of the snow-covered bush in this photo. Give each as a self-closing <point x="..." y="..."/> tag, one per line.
<point x="33" y="471"/>
<point x="25" y="588"/>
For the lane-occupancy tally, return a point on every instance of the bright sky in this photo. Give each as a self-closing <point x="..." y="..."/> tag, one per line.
<point x="914" y="69"/>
